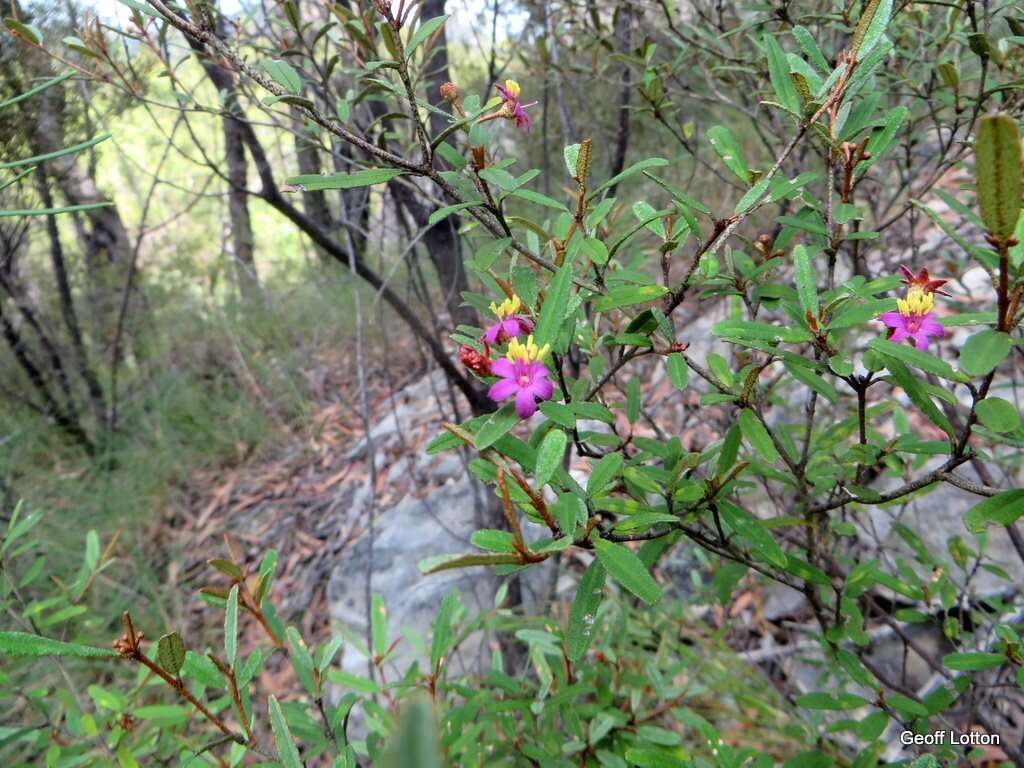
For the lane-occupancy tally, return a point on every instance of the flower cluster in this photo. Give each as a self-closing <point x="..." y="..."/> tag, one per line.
<point x="914" y="319"/>
<point x="521" y="373"/>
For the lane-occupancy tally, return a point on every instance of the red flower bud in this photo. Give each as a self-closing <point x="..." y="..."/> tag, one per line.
<point x="478" y="362"/>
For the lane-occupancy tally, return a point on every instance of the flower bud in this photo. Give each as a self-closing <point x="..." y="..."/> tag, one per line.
<point x="478" y="362"/>
<point x="449" y="92"/>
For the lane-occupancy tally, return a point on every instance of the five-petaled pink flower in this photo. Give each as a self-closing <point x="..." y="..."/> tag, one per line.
<point x="913" y="319"/>
<point x="522" y="374"/>
<point x="510" y="322"/>
<point x="512" y="107"/>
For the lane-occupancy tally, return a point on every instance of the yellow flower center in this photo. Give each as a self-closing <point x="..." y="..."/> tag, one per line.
<point x="512" y="87"/>
<point x="507" y="308"/>
<point x="526" y="353"/>
<point x="917" y="302"/>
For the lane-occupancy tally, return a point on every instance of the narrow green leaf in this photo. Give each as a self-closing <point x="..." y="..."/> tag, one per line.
<point x="379" y="625"/>
<point x="757" y="436"/>
<point x="917" y="358"/>
<point x="314" y="181"/>
<point x="778" y="72"/>
<point x="38" y="89"/>
<point x="870" y="27"/>
<point x="1002" y="509"/>
<point x="25" y="644"/>
<point x="651" y="162"/>
<point x="973" y="661"/>
<point x="442" y="635"/>
<point x="231" y="627"/>
<point x="583" y="610"/>
<point x="284" y="74"/>
<point x="16" y="212"/>
<point x="917" y="394"/>
<point x="728" y="149"/>
<point x="552" y="311"/>
<point x="627" y="569"/>
<point x="549" y="456"/>
<point x="806" y="287"/>
<point x="422" y="33"/>
<point x="606" y="468"/>
<point x="287" y="752"/>
<point x="448" y="562"/>
<point x="75" y="148"/>
<point x="678" y="371"/>
<point x="625" y="295"/>
<point x="496" y="425"/>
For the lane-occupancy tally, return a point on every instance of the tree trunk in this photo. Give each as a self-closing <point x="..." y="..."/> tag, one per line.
<point x="243" y="250"/>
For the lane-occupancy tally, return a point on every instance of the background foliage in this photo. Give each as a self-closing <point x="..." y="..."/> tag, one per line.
<point x="198" y="201"/>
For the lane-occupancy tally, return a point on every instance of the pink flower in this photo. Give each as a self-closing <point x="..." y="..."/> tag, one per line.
<point x="513" y="108"/>
<point x="913" y="319"/>
<point x="522" y="375"/>
<point x="510" y="323"/>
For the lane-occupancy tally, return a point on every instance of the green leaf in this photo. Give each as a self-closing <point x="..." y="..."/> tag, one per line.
<point x="231" y="627"/>
<point x="314" y="181"/>
<point x="998" y="172"/>
<point x="422" y="33"/>
<point x="28" y="31"/>
<point x="1002" y="509"/>
<point x="287" y="752"/>
<point x="916" y="358"/>
<point x="379" y="625"/>
<point x="778" y="71"/>
<point x="810" y="48"/>
<point x="728" y="149"/>
<point x="493" y="540"/>
<point x="38" y="89"/>
<point x="442" y="635"/>
<point x="440" y="563"/>
<point x="627" y="569"/>
<point x="752" y="195"/>
<point x="757" y="436"/>
<point x="870" y="27"/>
<point x="284" y="74"/>
<point x="552" y="311"/>
<point x="17" y="212"/>
<point x="918" y="396"/>
<point x="678" y="371"/>
<point x="810" y="379"/>
<point x="496" y="425"/>
<point x="549" y="456"/>
<point x="170" y="652"/>
<point x="584" y="608"/>
<point x="753" y="531"/>
<point x="415" y="743"/>
<point x="973" y="661"/>
<point x="570" y="155"/>
<point x="806" y="287"/>
<point x="36" y="159"/>
<point x="997" y="414"/>
<point x="602" y="473"/>
<point x="26" y="644"/>
<point x="983" y="351"/>
<point x="625" y="295"/>
<point x="651" y="162"/>
<point x="448" y="210"/>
